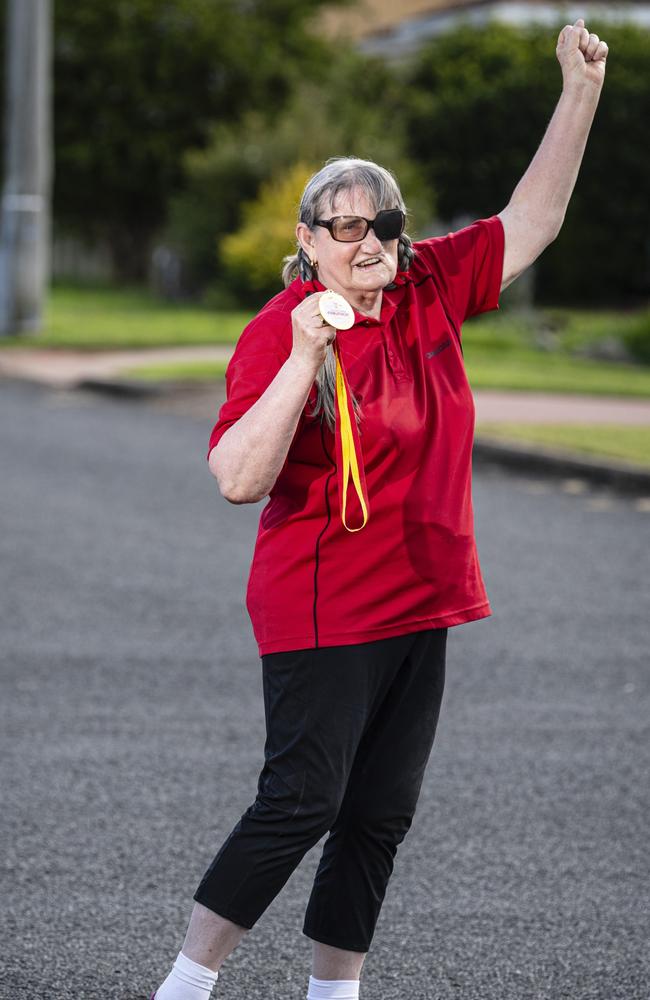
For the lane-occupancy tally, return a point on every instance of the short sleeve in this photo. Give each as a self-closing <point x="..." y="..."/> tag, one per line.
<point x="467" y="267"/>
<point x="256" y="360"/>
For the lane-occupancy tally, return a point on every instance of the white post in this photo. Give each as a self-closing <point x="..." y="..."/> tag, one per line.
<point x="25" y="207"/>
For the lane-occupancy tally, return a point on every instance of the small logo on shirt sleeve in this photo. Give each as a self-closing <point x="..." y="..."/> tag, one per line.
<point x="439" y="348"/>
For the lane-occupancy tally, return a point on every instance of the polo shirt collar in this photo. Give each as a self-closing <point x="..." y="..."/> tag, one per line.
<point x="389" y="301"/>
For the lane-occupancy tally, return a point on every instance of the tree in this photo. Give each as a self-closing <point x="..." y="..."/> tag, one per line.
<point x="352" y="109"/>
<point x="253" y="256"/>
<point x="139" y="82"/>
<point x="477" y="105"/>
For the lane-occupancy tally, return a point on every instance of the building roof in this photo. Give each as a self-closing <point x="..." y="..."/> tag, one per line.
<point x="368" y="17"/>
<point x="395" y="28"/>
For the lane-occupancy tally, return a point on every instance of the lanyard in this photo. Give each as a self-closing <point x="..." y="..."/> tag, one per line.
<point x="348" y="447"/>
<point x="336" y="311"/>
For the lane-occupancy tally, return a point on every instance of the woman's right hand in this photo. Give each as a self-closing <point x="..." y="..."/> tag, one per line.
<point x="311" y="334"/>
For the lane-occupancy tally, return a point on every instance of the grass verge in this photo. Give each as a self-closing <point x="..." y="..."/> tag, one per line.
<point x="526" y="372"/>
<point x="529" y="371"/>
<point x="206" y="371"/>
<point x="532" y="350"/>
<point x="108" y="318"/>
<point x="631" y="444"/>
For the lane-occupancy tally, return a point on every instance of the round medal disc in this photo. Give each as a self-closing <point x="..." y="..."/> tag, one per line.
<point x="336" y="311"/>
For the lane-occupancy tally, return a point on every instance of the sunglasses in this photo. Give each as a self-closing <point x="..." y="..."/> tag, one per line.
<point x="388" y="225"/>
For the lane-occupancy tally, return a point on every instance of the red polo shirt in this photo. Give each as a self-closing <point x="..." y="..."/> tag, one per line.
<point x="414" y="565"/>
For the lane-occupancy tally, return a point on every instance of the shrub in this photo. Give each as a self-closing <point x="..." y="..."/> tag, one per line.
<point x="354" y="111"/>
<point x="477" y="103"/>
<point x="637" y="339"/>
<point x="252" y="256"/>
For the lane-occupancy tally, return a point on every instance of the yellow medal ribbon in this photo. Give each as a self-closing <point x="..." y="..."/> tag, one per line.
<point x="348" y="448"/>
<point x="337" y="312"/>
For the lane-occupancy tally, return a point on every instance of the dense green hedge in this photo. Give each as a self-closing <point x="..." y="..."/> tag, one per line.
<point x="637" y="338"/>
<point x="479" y="103"/>
<point x="459" y="125"/>
<point x="170" y="116"/>
<point x="139" y="82"/>
<point x="352" y="111"/>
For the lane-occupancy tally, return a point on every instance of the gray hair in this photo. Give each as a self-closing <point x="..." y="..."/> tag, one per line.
<point x="342" y="173"/>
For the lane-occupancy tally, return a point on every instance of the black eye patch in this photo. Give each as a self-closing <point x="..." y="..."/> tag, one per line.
<point x="389" y="224"/>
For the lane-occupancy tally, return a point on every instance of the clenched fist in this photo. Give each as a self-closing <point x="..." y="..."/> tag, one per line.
<point x="311" y="334"/>
<point x="581" y="55"/>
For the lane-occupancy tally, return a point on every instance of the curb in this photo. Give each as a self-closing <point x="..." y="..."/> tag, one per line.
<point x="622" y="476"/>
<point x="615" y="474"/>
<point x="619" y="475"/>
<point x="135" y="389"/>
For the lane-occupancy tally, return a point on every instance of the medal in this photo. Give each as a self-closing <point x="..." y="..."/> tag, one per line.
<point x="337" y="312"/>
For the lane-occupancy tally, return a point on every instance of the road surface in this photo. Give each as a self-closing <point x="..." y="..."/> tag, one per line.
<point x="132" y="731"/>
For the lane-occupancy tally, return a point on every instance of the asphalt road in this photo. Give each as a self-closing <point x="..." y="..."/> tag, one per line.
<point x="132" y="731"/>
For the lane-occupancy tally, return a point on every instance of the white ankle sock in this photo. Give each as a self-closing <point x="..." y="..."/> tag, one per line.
<point x="187" y="981"/>
<point x="330" y="989"/>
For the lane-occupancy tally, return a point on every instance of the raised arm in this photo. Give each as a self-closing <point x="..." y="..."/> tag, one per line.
<point x="534" y="215"/>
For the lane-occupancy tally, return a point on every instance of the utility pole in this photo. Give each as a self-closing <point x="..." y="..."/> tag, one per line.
<point x="25" y="208"/>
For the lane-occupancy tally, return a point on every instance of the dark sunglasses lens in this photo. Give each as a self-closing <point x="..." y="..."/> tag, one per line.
<point x="389" y="224"/>
<point x="349" y="228"/>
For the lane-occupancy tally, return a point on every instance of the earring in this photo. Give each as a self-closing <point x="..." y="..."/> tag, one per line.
<point x="313" y="263"/>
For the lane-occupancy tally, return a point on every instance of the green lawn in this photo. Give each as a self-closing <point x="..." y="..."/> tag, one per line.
<point x="206" y="371"/>
<point x="544" y="350"/>
<point x="563" y="329"/>
<point x="629" y="443"/>
<point x="540" y="349"/>
<point x="528" y="370"/>
<point x="107" y="318"/>
<point x="521" y="370"/>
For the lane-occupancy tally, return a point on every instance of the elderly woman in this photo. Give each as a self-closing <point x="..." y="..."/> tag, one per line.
<point x="354" y="583"/>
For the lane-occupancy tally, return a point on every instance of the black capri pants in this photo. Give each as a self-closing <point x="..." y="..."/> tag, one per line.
<point x="349" y="730"/>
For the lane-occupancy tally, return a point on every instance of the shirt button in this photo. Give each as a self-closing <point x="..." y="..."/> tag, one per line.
<point x="367" y="323"/>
